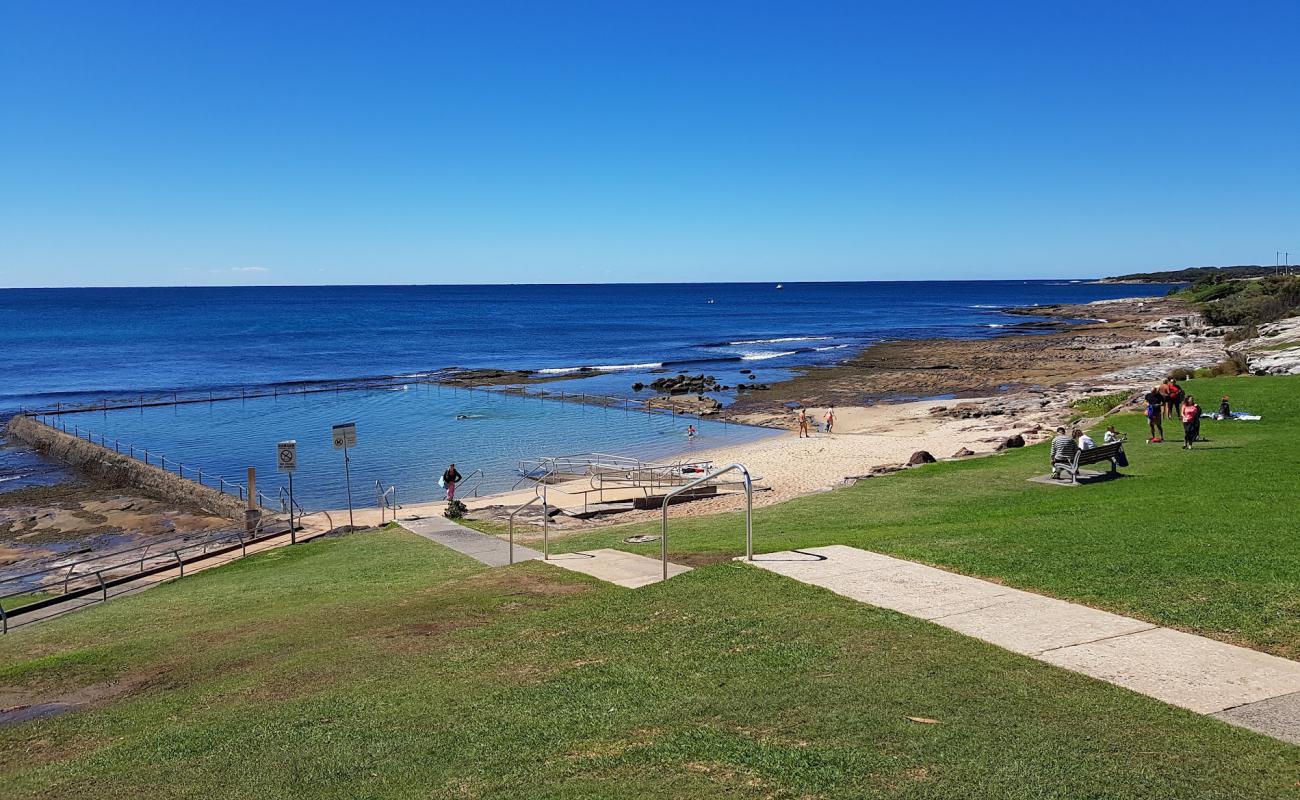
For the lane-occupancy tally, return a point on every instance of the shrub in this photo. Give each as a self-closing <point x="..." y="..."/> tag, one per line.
<point x="455" y="510"/>
<point x="1180" y="374"/>
<point x="1236" y="365"/>
<point x="1256" y="302"/>
<point x="1241" y="334"/>
<point x="1099" y="404"/>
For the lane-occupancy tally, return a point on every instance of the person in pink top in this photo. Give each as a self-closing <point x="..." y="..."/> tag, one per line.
<point x="1191" y="422"/>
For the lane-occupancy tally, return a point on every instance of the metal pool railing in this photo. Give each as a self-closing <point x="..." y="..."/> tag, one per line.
<point x="159" y="460"/>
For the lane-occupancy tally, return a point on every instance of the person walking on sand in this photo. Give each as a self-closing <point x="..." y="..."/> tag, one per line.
<point x="830" y="419"/>
<point x="1191" y="422"/>
<point x="449" y="480"/>
<point x="803" y="423"/>
<point x="1154" y="405"/>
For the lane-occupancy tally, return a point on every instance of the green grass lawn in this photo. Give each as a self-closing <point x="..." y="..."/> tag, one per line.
<point x="1206" y="541"/>
<point x="20" y="600"/>
<point x="380" y="665"/>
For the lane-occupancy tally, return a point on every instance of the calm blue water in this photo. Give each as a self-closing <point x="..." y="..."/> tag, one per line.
<point x="75" y="345"/>
<point x="404" y="437"/>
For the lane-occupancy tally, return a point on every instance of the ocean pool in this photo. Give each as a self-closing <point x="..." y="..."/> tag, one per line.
<point x="405" y="437"/>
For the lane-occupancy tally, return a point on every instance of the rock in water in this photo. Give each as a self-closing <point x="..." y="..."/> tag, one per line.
<point x="1014" y="441"/>
<point x="920" y="457"/>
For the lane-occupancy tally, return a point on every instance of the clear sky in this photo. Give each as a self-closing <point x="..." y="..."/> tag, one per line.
<point x="166" y="143"/>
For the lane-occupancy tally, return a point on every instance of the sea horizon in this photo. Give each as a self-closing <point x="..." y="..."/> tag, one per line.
<point x="92" y="343"/>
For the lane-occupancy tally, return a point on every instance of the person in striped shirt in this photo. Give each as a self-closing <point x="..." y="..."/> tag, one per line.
<point x="1063" y="449"/>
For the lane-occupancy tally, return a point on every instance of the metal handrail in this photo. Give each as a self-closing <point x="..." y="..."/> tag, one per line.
<point x="511" y="522"/>
<point x="481" y="477"/>
<point x="749" y="512"/>
<point x="163" y="461"/>
<point x="386" y="498"/>
<point x="539" y="493"/>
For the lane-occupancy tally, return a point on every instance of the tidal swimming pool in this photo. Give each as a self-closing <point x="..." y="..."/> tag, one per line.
<point x="405" y="437"/>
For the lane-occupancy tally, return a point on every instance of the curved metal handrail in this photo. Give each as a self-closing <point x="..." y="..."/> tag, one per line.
<point x="481" y="477"/>
<point x="386" y="499"/>
<point x="749" y="511"/>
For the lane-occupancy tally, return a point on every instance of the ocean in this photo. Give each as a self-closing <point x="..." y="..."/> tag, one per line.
<point x="71" y="346"/>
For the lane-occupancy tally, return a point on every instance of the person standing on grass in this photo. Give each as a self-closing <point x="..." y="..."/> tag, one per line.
<point x="449" y="479"/>
<point x="1154" y="402"/>
<point x="830" y="419"/>
<point x="803" y="423"/>
<point x="1191" y="422"/>
<point x="1176" y="396"/>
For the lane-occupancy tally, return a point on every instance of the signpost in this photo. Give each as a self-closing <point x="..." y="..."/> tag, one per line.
<point x="286" y="460"/>
<point x="345" y="436"/>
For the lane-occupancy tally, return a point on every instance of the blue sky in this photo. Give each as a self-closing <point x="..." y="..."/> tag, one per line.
<point x="473" y="142"/>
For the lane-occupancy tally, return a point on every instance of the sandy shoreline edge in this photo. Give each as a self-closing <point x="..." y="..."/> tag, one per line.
<point x="1021" y="385"/>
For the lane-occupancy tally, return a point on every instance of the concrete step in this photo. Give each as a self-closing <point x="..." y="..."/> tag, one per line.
<point x="616" y="566"/>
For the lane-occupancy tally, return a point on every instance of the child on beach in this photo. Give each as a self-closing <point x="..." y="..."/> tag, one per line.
<point x="830" y="419"/>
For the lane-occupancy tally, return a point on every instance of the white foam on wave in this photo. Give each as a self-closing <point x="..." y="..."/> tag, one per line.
<point x="994" y="325"/>
<point x="600" y="368"/>
<point x="11" y="478"/>
<point x="830" y="347"/>
<point x="781" y="339"/>
<point x="765" y="356"/>
<point x="985" y="305"/>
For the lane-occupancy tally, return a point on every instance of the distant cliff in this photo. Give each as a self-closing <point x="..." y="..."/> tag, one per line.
<point x="1193" y="274"/>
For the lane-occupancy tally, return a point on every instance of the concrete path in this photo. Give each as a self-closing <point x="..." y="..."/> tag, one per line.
<point x="613" y="566"/>
<point x="1240" y="686"/>
<point x="481" y="547"/>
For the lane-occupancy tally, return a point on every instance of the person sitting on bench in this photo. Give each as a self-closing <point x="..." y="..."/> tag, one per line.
<point x="1085" y="441"/>
<point x="1063" y="449"/>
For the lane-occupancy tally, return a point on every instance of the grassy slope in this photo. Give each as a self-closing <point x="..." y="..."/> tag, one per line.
<point x="289" y="675"/>
<point x="1202" y="540"/>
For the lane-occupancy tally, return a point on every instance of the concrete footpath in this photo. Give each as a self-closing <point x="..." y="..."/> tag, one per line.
<point x="612" y="566"/>
<point x="1244" y="687"/>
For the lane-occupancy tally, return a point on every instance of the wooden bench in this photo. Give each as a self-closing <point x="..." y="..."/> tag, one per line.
<point x="1093" y="455"/>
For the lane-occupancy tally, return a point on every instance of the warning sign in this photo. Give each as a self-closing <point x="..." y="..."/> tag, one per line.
<point x="345" y="436"/>
<point x="286" y="458"/>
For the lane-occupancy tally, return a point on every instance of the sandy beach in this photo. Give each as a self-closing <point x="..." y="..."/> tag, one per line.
<point x="1003" y="392"/>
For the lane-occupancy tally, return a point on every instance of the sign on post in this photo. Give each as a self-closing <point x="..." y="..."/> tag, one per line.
<point x="345" y="436"/>
<point x="286" y="460"/>
<point x="287" y="456"/>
